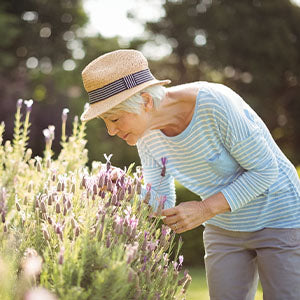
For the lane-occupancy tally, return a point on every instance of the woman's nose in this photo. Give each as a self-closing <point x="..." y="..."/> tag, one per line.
<point x="112" y="129"/>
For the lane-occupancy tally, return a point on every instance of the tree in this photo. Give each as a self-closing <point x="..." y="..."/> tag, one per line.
<point x="37" y="38"/>
<point x="252" y="46"/>
<point x="42" y="54"/>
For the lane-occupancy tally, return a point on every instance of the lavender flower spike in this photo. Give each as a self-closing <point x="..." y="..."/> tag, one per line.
<point x="47" y="135"/>
<point x="148" y="194"/>
<point x="164" y="163"/>
<point x="64" y="114"/>
<point x="61" y="256"/>
<point x="19" y="103"/>
<point x="180" y="260"/>
<point x="28" y="104"/>
<point x="108" y="163"/>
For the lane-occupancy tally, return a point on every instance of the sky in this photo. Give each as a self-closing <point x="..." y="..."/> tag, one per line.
<point x="109" y="17"/>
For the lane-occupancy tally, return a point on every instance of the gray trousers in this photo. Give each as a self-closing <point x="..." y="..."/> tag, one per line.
<point x="235" y="260"/>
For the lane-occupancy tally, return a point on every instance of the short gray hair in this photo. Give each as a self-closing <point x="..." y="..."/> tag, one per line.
<point x="134" y="103"/>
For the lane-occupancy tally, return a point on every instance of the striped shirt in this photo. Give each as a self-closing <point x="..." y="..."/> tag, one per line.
<point x="226" y="148"/>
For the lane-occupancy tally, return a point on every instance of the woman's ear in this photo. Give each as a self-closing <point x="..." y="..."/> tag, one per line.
<point x="148" y="101"/>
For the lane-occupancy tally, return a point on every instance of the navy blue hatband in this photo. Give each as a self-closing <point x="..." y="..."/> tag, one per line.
<point x="120" y="85"/>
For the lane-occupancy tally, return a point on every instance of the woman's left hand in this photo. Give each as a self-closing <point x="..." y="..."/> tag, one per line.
<point x="186" y="216"/>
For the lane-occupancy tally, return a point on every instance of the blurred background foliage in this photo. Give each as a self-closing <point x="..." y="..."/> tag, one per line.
<point x="253" y="46"/>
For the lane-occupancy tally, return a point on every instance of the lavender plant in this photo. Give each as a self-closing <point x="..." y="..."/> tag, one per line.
<point x="70" y="232"/>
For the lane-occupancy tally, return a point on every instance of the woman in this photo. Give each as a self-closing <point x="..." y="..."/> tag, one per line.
<point x="220" y="149"/>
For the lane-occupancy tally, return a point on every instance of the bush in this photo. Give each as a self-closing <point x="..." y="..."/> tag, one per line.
<point x="192" y="248"/>
<point x="74" y="233"/>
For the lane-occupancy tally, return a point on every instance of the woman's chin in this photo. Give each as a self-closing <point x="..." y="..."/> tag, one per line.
<point x="131" y="142"/>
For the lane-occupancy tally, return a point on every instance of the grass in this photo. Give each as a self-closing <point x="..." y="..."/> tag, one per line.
<point x="198" y="287"/>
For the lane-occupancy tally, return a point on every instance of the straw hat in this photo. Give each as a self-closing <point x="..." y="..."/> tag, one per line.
<point x="114" y="77"/>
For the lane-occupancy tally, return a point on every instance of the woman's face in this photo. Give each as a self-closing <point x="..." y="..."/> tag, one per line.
<point x="128" y="126"/>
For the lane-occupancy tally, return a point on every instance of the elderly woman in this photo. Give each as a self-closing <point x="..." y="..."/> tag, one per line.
<point x="219" y="148"/>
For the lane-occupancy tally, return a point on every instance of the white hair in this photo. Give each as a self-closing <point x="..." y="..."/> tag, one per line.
<point x="134" y="103"/>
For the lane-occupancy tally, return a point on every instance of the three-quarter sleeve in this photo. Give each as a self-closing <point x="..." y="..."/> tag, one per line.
<point x="243" y="138"/>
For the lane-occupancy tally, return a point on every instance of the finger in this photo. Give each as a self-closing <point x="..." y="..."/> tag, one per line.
<point x="170" y="220"/>
<point x="177" y="228"/>
<point x="169" y="211"/>
<point x="181" y="230"/>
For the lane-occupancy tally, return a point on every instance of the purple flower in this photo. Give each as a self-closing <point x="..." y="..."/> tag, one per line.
<point x="57" y="207"/>
<point x="148" y="194"/>
<point x="148" y="187"/>
<point x="77" y="231"/>
<point x="152" y="246"/>
<point x="95" y="191"/>
<point x="46" y="234"/>
<point x="139" y="188"/>
<point x="49" y="133"/>
<point x="121" y="194"/>
<point x="108" y="240"/>
<point x="161" y="204"/>
<point x="164" y="163"/>
<point x="50" y="221"/>
<point x="165" y="230"/>
<point x="133" y="222"/>
<point x="108" y="163"/>
<point x="119" y="224"/>
<point x="144" y="245"/>
<point x="145" y="259"/>
<point x="109" y="185"/>
<point x="129" y="188"/>
<point x="28" y="104"/>
<point x="101" y="181"/>
<point x="180" y="260"/>
<point x="114" y="199"/>
<point x="19" y="103"/>
<point x="122" y="180"/>
<point x="43" y="207"/>
<point x="128" y="210"/>
<point x="118" y="220"/>
<point x="131" y="251"/>
<point x="166" y="257"/>
<point x="144" y="264"/>
<point x="64" y="114"/>
<point x="61" y="256"/>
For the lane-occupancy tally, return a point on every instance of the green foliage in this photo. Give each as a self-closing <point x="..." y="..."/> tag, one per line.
<point x="252" y="46"/>
<point x="77" y="232"/>
<point x="192" y="248"/>
<point x="24" y="30"/>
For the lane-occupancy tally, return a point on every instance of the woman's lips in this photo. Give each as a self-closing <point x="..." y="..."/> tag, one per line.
<point x="125" y="136"/>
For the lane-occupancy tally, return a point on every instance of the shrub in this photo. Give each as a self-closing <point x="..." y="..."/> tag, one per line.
<point x="193" y="247"/>
<point x="68" y="232"/>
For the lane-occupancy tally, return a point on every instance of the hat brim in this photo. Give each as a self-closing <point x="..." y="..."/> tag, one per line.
<point x="98" y="108"/>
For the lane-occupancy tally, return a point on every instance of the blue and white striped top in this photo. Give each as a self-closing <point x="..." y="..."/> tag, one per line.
<point x="226" y="147"/>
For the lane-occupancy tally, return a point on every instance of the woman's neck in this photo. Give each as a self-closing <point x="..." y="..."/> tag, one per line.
<point x="175" y="112"/>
